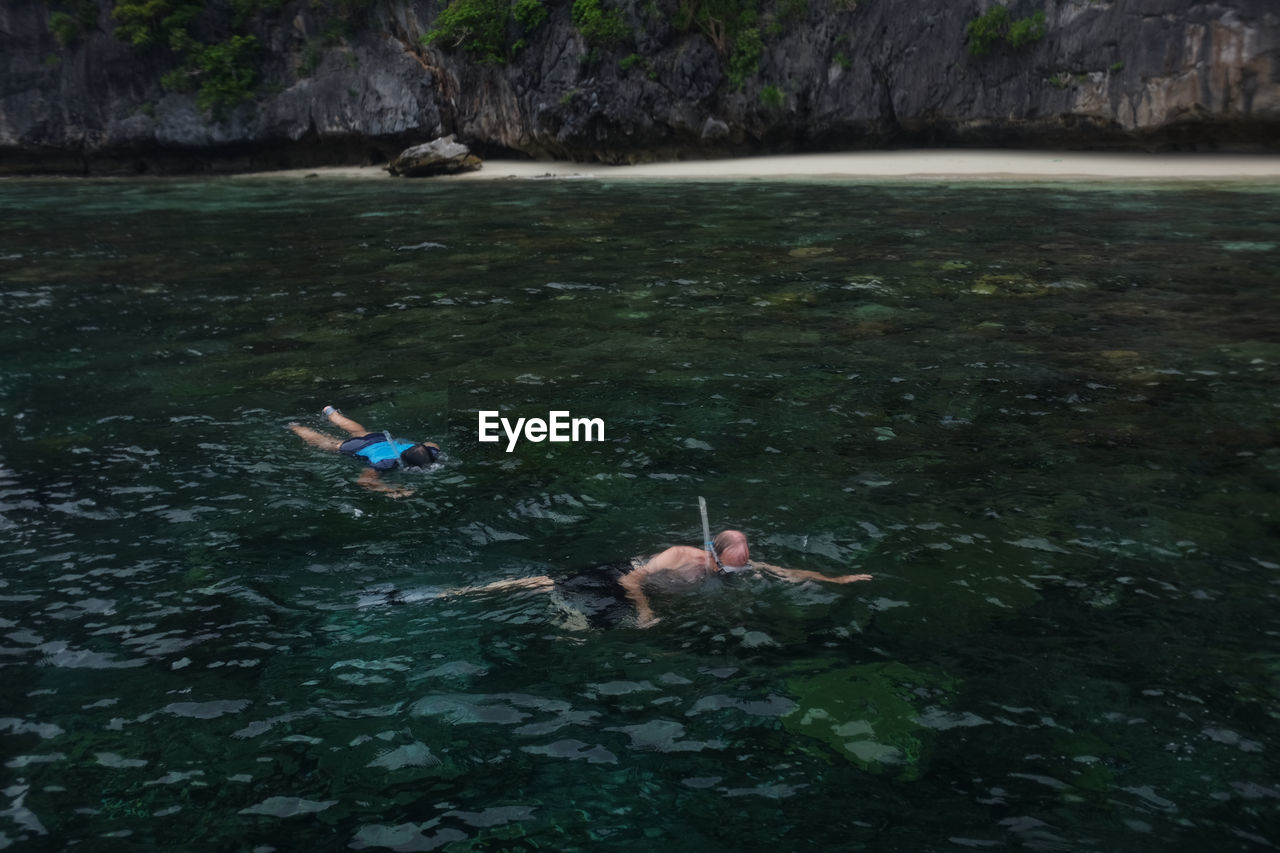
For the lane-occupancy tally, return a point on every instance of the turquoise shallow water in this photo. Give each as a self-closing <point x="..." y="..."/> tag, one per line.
<point x="1043" y="417"/>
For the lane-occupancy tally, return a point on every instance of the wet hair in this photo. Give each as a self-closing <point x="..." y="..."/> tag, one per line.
<point x="731" y="547"/>
<point x="420" y="455"/>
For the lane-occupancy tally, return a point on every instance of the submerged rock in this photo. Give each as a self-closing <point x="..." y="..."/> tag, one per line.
<point x="1007" y="285"/>
<point x="442" y="156"/>
<point x="869" y="715"/>
<point x="810" y="251"/>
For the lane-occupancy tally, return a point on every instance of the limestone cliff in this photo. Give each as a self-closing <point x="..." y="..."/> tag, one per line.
<point x="816" y="75"/>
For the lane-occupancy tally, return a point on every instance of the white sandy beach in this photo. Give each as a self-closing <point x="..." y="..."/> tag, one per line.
<point x="932" y="165"/>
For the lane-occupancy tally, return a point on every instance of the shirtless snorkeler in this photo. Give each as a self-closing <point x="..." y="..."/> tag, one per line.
<point x="691" y="565"/>
<point x="681" y="563"/>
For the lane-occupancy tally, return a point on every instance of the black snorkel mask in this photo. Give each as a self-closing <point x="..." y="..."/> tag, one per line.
<point x="432" y="453"/>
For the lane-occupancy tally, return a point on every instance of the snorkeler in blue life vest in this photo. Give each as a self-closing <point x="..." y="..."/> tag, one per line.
<point x="379" y="451"/>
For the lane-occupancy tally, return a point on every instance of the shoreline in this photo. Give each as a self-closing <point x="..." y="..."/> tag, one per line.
<point x="927" y="165"/>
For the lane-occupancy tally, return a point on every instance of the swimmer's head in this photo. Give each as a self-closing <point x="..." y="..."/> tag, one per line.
<point x="731" y="548"/>
<point x="420" y="455"/>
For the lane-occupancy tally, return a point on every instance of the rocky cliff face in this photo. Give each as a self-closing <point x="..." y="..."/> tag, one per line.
<point x="827" y="74"/>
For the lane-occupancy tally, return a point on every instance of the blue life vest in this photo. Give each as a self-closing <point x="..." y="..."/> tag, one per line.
<point x="382" y="456"/>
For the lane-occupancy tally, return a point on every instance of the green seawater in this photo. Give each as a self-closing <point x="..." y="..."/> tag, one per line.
<point x="1043" y="417"/>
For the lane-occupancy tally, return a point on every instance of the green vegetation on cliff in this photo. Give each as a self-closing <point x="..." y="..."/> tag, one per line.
<point x="495" y="30"/>
<point x="476" y="26"/>
<point x="996" y="24"/>
<point x="600" y="26"/>
<point x="221" y="72"/>
<point x="154" y="22"/>
<point x="485" y="27"/>
<point x="732" y="27"/>
<point x="67" y="25"/>
<point x="218" y="56"/>
<point x="739" y="31"/>
<point x="217" y="47"/>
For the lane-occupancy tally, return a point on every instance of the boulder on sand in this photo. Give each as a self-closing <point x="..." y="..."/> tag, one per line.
<point x="443" y="156"/>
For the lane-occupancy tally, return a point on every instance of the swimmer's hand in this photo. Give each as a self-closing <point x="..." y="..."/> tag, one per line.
<point x="850" y="578"/>
<point x="646" y="620"/>
<point x="644" y="615"/>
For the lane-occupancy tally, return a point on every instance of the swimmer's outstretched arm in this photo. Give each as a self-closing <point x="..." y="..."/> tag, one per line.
<point x="370" y="480"/>
<point x="798" y="575"/>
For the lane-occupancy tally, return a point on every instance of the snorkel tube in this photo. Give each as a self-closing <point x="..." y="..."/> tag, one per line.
<point x="706" y="534"/>
<point x="394" y="449"/>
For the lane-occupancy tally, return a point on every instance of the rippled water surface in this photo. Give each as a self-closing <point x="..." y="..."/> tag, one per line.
<point x="1043" y="417"/>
